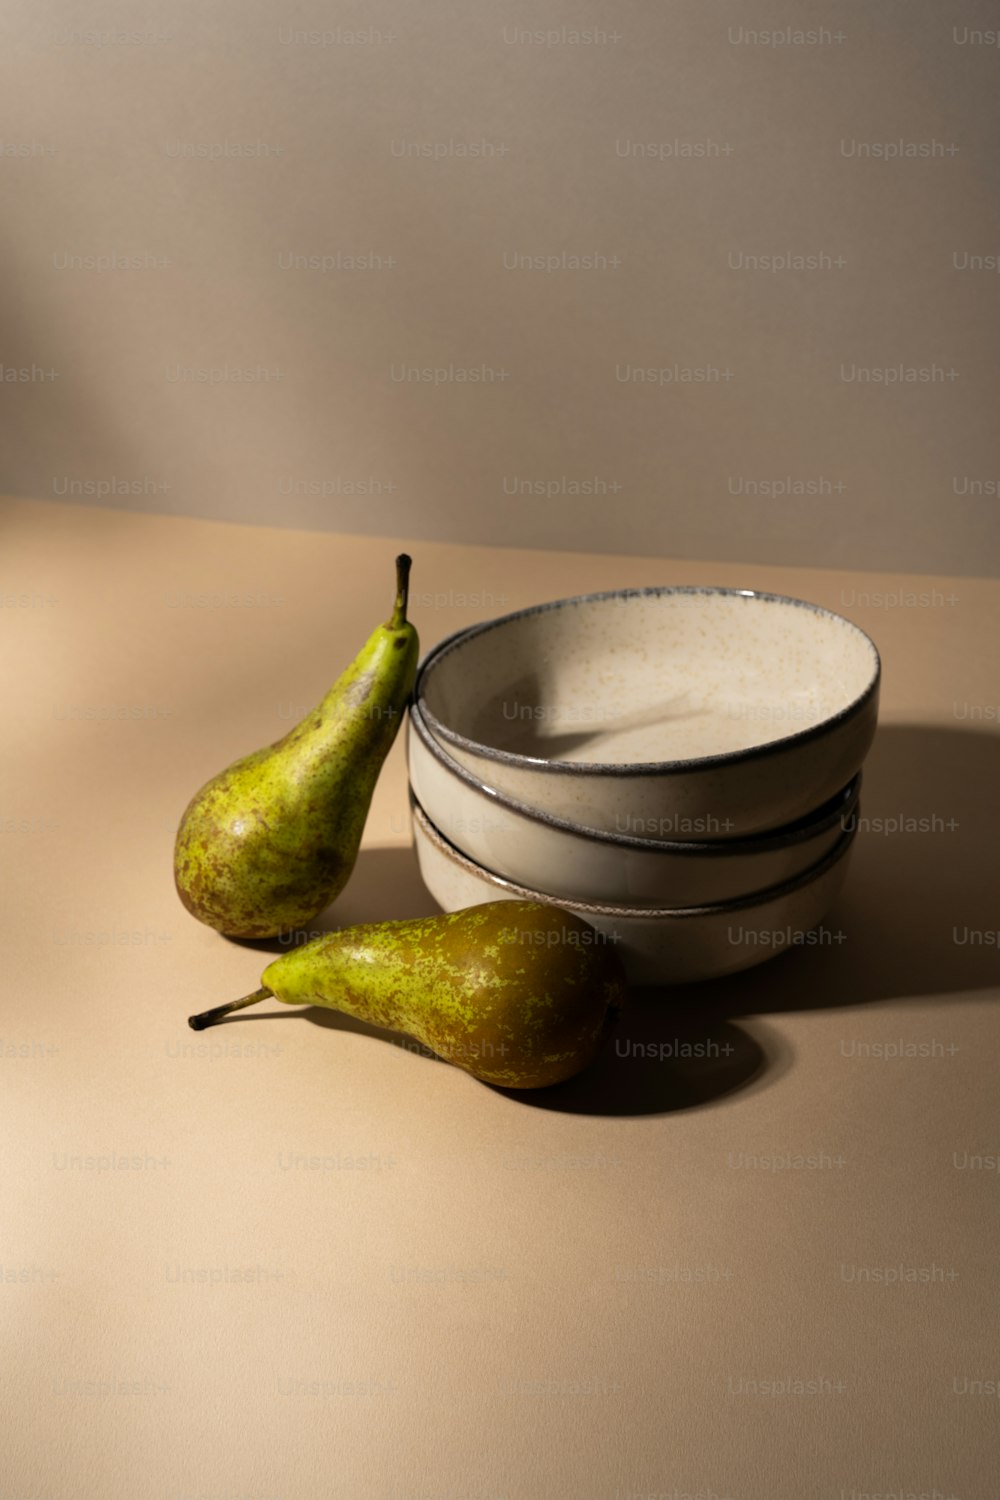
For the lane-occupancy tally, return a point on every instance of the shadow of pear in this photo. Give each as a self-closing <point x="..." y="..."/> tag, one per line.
<point x="640" y="1070"/>
<point x="659" y="1060"/>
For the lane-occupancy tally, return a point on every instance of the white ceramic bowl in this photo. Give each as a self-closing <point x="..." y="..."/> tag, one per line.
<point x="666" y="713"/>
<point x="552" y="854"/>
<point x="657" y="946"/>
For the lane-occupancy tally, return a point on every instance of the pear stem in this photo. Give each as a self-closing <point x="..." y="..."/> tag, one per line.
<point x="403" y="565"/>
<point x="209" y="1017"/>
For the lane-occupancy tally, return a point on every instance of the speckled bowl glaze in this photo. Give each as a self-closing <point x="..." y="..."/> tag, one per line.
<point x="552" y="854"/>
<point x="664" y="713"/>
<point x="657" y="945"/>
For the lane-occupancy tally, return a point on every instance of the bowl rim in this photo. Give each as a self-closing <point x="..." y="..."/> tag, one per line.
<point x="646" y="913"/>
<point x="842" y="805"/>
<point x="450" y="643"/>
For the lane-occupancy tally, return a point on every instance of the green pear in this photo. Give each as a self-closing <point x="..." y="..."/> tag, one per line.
<point x="517" y="993"/>
<point x="267" y="844"/>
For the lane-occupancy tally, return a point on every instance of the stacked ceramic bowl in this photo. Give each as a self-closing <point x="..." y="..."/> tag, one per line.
<point x="679" y="766"/>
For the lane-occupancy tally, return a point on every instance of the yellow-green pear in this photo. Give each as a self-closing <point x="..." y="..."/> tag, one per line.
<point x="518" y="993"/>
<point x="267" y="844"/>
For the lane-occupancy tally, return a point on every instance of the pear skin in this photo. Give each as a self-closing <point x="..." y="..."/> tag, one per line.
<point x="517" y="993"/>
<point x="270" y="842"/>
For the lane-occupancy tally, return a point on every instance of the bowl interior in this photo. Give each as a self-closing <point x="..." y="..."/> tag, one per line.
<point x="646" y="677"/>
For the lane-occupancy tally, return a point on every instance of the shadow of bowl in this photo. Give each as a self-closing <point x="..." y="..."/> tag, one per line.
<point x="917" y="918"/>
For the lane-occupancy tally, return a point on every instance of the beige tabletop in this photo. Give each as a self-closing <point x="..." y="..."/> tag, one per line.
<point x="752" y="1254"/>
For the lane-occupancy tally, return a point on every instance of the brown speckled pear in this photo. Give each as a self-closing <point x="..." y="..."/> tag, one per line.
<point x="517" y="993"/>
<point x="267" y="844"/>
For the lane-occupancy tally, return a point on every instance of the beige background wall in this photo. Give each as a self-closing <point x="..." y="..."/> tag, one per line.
<point x="168" y="174"/>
